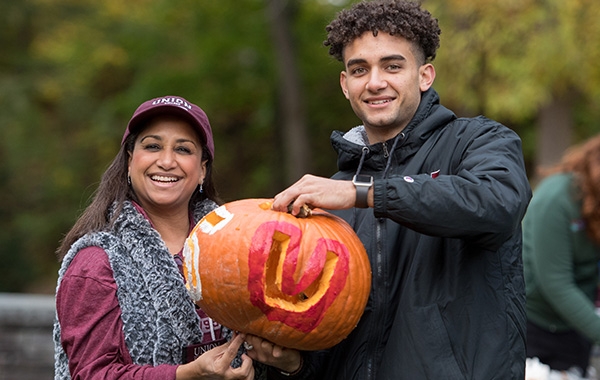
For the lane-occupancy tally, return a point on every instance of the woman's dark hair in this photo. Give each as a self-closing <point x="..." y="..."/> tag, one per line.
<point x="114" y="189"/>
<point x="399" y="18"/>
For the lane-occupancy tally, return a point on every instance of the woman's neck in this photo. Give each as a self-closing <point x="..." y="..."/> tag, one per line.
<point x="173" y="228"/>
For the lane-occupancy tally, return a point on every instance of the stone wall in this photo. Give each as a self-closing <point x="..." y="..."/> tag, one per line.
<point x="26" y="347"/>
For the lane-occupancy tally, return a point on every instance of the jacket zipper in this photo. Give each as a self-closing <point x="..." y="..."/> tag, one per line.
<point x="379" y="299"/>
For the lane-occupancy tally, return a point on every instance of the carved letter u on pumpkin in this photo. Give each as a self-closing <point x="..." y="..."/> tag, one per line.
<point x="291" y="280"/>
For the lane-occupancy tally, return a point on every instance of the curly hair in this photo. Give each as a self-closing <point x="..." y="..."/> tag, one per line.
<point x="583" y="161"/>
<point x="397" y="17"/>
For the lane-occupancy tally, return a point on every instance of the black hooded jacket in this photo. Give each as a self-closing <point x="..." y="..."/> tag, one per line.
<point x="444" y="241"/>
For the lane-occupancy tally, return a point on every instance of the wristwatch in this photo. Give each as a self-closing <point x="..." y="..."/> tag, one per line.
<point x="362" y="183"/>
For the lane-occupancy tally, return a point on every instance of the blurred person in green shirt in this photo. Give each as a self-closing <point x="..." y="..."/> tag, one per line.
<point x="561" y="249"/>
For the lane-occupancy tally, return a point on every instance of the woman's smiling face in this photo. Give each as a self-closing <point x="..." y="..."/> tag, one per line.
<point x="166" y="164"/>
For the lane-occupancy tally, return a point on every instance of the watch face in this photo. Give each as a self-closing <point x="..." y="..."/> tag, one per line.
<point x="362" y="179"/>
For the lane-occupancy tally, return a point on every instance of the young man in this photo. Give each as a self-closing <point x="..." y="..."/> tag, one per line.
<point x="437" y="201"/>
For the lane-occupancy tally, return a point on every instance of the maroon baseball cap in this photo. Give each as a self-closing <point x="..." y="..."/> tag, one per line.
<point x="173" y="105"/>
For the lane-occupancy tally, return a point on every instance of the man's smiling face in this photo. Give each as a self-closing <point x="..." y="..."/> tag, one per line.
<point x="383" y="81"/>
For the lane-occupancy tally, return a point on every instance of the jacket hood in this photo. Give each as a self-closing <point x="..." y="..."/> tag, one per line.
<point x="351" y="145"/>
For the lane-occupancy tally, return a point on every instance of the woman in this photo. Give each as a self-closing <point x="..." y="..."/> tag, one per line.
<point x="122" y="307"/>
<point x="561" y="248"/>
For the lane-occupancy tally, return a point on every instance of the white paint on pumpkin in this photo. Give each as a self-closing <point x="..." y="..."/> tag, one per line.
<point x="191" y="255"/>
<point x="208" y="225"/>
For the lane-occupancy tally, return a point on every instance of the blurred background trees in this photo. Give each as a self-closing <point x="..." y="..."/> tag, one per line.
<point x="73" y="71"/>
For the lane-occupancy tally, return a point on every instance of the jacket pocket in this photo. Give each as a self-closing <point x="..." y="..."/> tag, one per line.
<point x="431" y="345"/>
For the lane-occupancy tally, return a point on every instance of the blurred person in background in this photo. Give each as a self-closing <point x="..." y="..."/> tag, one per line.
<point x="561" y="249"/>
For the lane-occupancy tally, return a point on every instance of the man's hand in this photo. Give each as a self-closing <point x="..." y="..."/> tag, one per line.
<point x="286" y="359"/>
<point x="316" y="191"/>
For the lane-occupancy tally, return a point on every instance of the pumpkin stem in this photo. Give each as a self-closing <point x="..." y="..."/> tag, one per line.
<point x="305" y="211"/>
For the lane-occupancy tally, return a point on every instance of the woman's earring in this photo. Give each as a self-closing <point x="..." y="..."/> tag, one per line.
<point x="200" y="189"/>
<point x="128" y="179"/>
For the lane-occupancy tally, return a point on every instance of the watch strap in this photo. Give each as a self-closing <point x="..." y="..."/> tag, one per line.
<point x="362" y="193"/>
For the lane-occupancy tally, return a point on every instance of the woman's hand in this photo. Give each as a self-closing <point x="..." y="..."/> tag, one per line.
<point x="216" y="364"/>
<point x="285" y="359"/>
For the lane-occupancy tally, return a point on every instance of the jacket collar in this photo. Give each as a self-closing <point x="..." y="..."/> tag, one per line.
<point x="429" y="117"/>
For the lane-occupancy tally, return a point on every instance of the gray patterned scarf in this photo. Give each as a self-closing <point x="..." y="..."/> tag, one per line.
<point x="159" y="317"/>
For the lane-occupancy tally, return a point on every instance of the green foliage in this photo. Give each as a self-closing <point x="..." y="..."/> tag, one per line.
<point x="510" y="57"/>
<point x="73" y="71"/>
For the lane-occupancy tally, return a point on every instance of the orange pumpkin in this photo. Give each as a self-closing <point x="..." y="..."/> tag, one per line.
<point x="301" y="283"/>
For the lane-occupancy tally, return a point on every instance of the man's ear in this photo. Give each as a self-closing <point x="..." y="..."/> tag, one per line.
<point x="343" y="84"/>
<point x="426" y="76"/>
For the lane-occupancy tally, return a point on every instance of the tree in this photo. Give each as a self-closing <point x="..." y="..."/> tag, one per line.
<point x="74" y="70"/>
<point x="295" y="139"/>
<point x="520" y="61"/>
